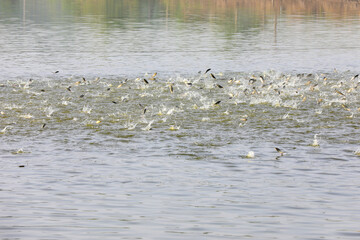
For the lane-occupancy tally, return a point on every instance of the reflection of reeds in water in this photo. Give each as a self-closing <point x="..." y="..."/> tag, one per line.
<point x="307" y="7"/>
<point x="231" y="15"/>
<point x="184" y="9"/>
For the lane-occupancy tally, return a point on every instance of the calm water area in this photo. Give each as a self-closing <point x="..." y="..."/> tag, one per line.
<point x="178" y="119"/>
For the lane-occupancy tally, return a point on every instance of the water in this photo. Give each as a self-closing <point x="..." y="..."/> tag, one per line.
<point x="127" y="37"/>
<point x="94" y="144"/>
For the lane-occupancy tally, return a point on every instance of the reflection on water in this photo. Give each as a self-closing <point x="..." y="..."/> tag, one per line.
<point x="128" y="37"/>
<point x="155" y="119"/>
<point x="141" y="10"/>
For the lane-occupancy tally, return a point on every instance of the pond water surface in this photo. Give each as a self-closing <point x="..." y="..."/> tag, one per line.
<point x="179" y="119"/>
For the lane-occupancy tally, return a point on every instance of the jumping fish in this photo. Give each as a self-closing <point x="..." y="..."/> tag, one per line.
<point x="153" y="76"/>
<point x="279" y="151"/>
<point x="338" y="92"/>
<point x="171" y="88"/>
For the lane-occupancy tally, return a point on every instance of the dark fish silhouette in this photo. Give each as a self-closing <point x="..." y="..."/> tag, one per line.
<point x="252" y="80"/>
<point x="279" y="151"/>
<point x="338" y="92"/>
